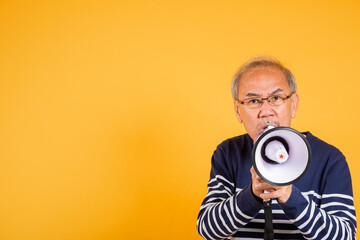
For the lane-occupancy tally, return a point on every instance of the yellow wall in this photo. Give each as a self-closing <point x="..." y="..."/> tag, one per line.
<point x="110" y="110"/>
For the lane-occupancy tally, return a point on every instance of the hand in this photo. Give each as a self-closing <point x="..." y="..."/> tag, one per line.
<point x="282" y="194"/>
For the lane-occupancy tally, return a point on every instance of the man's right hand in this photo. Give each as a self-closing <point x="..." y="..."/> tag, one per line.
<point x="258" y="187"/>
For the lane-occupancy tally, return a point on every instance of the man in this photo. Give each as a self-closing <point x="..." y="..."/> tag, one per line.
<point x="318" y="206"/>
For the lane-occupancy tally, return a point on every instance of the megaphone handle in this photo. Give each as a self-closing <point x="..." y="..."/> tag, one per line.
<point x="268" y="228"/>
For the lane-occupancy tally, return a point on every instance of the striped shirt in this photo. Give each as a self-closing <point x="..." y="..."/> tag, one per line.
<point x="320" y="206"/>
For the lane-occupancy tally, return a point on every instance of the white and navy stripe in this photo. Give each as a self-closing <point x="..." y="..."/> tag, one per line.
<point x="320" y="207"/>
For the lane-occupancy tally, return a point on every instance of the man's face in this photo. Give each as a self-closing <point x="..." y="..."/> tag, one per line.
<point x="264" y="82"/>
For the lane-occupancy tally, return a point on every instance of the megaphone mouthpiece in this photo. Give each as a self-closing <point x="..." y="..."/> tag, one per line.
<point x="276" y="152"/>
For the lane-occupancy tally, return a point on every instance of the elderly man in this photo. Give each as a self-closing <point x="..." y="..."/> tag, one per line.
<point x="318" y="206"/>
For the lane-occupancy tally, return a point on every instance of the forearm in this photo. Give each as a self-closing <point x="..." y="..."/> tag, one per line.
<point x="221" y="217"/>
<point x="322" y="222"/>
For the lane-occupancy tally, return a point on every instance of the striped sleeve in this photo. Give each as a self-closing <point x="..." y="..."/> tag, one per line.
<point x="330" y="215"/>
<point x="225" y="209"/>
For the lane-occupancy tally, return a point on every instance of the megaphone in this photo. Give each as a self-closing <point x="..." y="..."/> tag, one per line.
<point x="281" y="156"/>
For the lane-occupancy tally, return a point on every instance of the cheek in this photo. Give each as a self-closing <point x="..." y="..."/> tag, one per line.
<point x="285" y="115"/>
<point x="250" y="123"/>
<point x="285" y="110"/>
<point x="249" y="119"/>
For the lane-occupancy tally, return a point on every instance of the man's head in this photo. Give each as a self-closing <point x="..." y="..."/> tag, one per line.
<point x="264" y="77"/>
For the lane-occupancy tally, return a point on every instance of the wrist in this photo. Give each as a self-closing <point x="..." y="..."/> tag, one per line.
<point x="254" y="195"/>
<point x="286" y="195"/>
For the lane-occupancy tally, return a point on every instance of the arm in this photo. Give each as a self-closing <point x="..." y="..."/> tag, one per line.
<point x="331" y="215"/>
<point x="335" y="216"/>
<point x="225" y="209"/>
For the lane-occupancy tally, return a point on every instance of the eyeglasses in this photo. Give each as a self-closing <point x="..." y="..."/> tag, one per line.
<point x="273" y="100"/>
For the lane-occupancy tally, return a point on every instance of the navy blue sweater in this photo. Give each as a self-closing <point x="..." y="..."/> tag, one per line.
<point x="320" y="206"/>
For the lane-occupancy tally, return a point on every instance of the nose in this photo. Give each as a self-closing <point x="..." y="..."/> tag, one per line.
<point x="266" y="110"/>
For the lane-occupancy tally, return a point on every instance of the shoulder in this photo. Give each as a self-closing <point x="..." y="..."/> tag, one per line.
<point x="231" y="157"/>
<point x="326" y="158"/>
<point x="234" y="150"/>
<point x="235" y="143"/>
<point x="322" y="148"/>
<point x="328" y="165"/>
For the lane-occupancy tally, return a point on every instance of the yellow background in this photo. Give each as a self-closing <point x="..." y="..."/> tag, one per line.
<point x="110" y="110"/>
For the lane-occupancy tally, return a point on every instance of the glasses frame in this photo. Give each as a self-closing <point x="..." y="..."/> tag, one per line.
<point x="263" y="99"/>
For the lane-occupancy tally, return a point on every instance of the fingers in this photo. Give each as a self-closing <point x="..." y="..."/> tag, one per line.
<point x="282" y="194"/>
<point x="264" y="186"/>
<point x="273" y="192"/>
<point x="255" y="176"/>
<point x="259" y="185"/>
<point x="269" y="194"/>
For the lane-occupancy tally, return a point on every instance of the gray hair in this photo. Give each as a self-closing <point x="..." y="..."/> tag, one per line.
<point x="261" y="61"/>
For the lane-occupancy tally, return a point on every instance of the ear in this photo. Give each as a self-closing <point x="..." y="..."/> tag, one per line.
<point x="294" y="104"/>
<point x="237" y="111"/>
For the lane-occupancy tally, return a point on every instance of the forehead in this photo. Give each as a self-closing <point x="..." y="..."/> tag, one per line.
<point x="263" y="81"/>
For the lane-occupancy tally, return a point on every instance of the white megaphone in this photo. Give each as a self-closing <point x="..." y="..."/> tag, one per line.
<point x="281" y="156"/>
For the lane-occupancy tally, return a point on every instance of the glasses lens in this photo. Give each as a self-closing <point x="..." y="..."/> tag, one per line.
<point x="253" y="102"/>
<point x="277" y="100"/>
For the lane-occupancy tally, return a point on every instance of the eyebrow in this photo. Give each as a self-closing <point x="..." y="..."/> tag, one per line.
<point x="250" y="94"/>
<point x="277" y="91"/>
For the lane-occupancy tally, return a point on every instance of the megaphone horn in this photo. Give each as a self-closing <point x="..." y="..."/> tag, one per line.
<point x="281" y="156"/>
